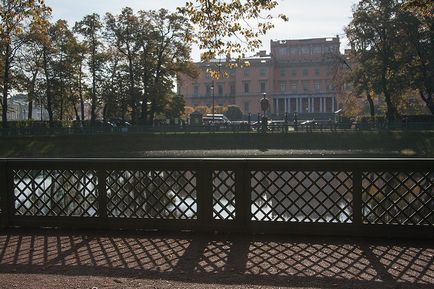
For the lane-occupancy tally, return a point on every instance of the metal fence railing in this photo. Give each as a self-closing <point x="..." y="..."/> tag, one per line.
<point x="278" y="127"/>
<point x="355" y="197"/>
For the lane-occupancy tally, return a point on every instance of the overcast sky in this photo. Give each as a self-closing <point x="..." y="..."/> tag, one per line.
<point x="307" y="18"/>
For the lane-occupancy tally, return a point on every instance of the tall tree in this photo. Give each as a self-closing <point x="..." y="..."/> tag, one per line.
<point x="417" y="49"/>
<point x="90" y="28"/>
<point x="28" y="68"/>
<point x="171" y="55"/>
<point x="123" y="30"/>
<point x="372" y="35"/>
<point x="16" y="17"/>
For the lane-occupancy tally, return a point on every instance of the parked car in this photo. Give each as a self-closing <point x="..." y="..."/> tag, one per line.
<point x="219" y="119"/>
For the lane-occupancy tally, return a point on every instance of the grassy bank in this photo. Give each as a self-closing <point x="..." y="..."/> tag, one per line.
<point x="133" y="145"/>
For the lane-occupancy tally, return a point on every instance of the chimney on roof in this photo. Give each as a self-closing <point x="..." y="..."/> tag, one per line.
<point x="262" y="53"/>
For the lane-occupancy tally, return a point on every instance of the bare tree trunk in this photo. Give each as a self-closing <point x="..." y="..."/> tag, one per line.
<point x="371" y="104"/>
<point x="80" y="91"/>
<point x="31" y="95"/>
<point x="132" y="92"/>
<point x="48" y="89"/>
<point x="94" y="100"/>
<point x="6" y="80"/>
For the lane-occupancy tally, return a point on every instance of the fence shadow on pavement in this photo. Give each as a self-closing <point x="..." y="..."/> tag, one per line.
<point x="221" y="259"/>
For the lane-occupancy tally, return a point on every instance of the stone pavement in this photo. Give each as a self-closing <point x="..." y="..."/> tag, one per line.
<point x="84" y="259"/>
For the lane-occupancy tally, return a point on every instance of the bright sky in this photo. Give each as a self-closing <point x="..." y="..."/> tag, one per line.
<point x="307" y="18"/>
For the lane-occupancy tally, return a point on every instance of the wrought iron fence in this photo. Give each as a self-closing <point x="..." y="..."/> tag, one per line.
<point x="355" y="197"/>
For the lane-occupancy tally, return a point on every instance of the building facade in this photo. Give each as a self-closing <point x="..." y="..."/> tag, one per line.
<point x="296" y="76"/>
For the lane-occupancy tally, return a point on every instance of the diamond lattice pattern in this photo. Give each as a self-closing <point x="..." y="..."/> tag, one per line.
<point x="398" y="198"/>
<point x="302" y="196"/>
<point x="152" y="194"/>
<point x="223" y="188"/>
<point x="55" y="193"/>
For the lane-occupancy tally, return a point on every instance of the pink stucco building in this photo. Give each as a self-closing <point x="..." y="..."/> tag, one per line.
<point x="296" y="77"/>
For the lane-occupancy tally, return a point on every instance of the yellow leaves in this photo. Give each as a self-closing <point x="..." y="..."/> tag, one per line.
<point x="229" y="27"/>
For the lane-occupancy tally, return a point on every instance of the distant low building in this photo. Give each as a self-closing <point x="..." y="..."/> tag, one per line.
<point x="296" y="77"/>
<point x="18" y="109"/>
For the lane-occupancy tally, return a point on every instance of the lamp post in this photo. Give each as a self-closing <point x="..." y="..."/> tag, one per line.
<point x="213" y="90"/>
<point x="212" y="94"/>
<point x="264" y="106"/>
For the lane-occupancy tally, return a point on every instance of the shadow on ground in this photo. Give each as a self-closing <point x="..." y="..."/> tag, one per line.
<point x="219" y="259"/>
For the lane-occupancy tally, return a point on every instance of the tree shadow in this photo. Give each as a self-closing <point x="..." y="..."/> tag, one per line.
<point x="221" y="259"/>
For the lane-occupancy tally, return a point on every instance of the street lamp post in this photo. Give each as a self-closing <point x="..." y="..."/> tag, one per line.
<point x="212" y="94"/>
<point x="264" y="106"/>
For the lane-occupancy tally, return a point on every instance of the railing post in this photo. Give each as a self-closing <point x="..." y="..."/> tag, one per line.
<point x="6" y="198"/>
<point x="102" y="194"/>
<point x="204" y="198"/>
<point x="357" y="198"/>
<point x="3" y="195"/>
<point x="242" y="197"/>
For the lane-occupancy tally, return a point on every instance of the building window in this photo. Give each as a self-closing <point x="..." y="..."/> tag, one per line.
<point x="305" y="84"/>
<point x="305" y="72"/>
<point x="220" y="89"/>
<point x="317" y="85"/>
<point x="305" y="104"/>
<point x="294" y="72"/>
<point x="293" y="104"/>
<point x="282" y="86"/>
<point x="306" y="50"/>
<point x="232" y="89"/>
<point x="316" y="105"/>
<point x="262" y="86"/>
<point x="246" y="87"/>
<point x="294" y="86"/>
<point x="196" y="90"/>
<point x="246" y="107"/>
<point x="282" y="72"/>
<point x="328" y="104"/>
<point x="246" y="72"/>
<point x="317" y="72"/>
<point x="263" y="71"/>
<point x="294" y="50"/>
<point x="208" y="89"/>
<point x="329" y="85"/>
<point x="316" y="49"/>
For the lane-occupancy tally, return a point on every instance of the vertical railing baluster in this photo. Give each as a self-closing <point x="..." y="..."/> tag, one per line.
<point x="102" y="194"/>
<point x="357" y="198"/>
<point x="242" y="198"/>
<point x="204" y="197"/>
<point x="7" y="195"/>
<point x="4" y="195"/>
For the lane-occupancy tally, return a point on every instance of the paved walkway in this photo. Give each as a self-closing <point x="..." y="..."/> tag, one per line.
<point x="66" y="259"/>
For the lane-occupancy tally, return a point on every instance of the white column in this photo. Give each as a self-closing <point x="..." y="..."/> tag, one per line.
<point x="289" y="104"/>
